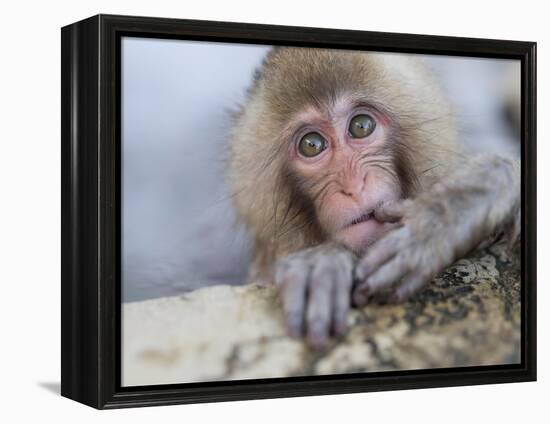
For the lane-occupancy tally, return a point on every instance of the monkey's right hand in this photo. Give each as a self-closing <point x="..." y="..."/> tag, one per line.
<point x="315" y="287"/>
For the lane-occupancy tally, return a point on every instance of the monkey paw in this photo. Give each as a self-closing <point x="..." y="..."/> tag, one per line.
<point x="410" y="255"/>
<point x="315" y="287"/>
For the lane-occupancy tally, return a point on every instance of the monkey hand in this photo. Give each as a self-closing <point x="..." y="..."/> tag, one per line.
<point x="438" y="227"/>
<point x="406" y="258"/>
<point x="315" y="287"/>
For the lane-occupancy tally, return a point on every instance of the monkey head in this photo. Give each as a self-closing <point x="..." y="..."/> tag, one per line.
<point x="325" y="137"/>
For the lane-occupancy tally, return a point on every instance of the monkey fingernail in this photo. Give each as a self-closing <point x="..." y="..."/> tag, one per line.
<point x="360" y="297"/>
<point x="397" y="297"/>
<point x="393" y="299"/>
<point x="295" y="334"/>
<point x="317" y="343"/>
<point x="294" y="327"/>
<point x="340" y="327"/>
<point x="360" y="273"/>
<point x="317" y="336"/>
<point x="383" y="216"/>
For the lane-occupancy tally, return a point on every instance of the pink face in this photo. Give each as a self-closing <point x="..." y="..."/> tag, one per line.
<point x="343" y="159"/>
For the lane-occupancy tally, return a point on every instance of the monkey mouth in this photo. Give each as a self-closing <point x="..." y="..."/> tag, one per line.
<point x="360" y="232"/>
<point x="363" y="218"/>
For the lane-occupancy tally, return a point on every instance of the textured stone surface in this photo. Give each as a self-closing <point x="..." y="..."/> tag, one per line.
<point x="470" y="315"/>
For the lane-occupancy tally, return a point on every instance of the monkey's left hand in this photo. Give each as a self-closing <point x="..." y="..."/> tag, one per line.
<point x="438" y="227"/>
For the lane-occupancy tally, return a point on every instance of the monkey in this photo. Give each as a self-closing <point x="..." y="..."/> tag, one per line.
<point x="346" y="170"/>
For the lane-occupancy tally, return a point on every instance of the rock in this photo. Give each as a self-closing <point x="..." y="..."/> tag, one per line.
<point x="469" y="315"/>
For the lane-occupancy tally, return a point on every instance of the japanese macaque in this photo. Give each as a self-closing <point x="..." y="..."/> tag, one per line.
<point x="348" y="174"/>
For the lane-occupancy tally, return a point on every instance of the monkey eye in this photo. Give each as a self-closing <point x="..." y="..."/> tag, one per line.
<point x="312" y="144"/>
<point x="361" y="126"/>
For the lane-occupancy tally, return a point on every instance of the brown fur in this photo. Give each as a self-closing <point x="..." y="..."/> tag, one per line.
<point x="267" y="195"/>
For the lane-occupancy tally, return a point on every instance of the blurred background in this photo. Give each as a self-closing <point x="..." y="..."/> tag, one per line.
<point x="178" y="227"/>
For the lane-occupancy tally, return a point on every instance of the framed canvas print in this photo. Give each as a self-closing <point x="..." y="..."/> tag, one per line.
<point x="254" y="211"/>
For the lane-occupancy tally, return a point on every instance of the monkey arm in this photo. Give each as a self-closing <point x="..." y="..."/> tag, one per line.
<point x="315" y="285"/>
<point x="478" y="198"/>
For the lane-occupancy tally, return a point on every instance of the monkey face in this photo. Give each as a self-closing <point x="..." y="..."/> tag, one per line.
<point x="343" y="158"/>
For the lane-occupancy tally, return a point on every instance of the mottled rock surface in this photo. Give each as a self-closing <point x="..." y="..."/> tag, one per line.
<point x="470" y="315"/>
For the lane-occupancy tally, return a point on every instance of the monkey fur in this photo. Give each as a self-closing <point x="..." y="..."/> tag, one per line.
<point x="429" y="203"/>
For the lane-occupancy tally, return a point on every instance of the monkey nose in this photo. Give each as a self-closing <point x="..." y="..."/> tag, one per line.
<point x="353" y="195"/>
<point x="354" y="190"/>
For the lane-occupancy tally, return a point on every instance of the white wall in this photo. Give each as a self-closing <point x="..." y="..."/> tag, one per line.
<point x="29" y="313"/>
<point x="178" y="226"/>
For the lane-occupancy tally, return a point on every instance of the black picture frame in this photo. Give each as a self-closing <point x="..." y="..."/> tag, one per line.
<point x="91" y="221"/>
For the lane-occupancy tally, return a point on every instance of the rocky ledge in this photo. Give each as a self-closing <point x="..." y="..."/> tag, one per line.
<point x="469" y="315"/>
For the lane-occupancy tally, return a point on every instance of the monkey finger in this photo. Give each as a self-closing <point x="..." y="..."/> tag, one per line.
<point x="360" y="296"/>
<point x="381" y="252"/>
<point x="294" y="302"/>
<point x="410" y="285"/>
<point x="390" y="211"/>
<point x="319" y="312"/>
<point x="341" y="304"/>
<point x="293" y="287"/>
<point x="386" y="276"/>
